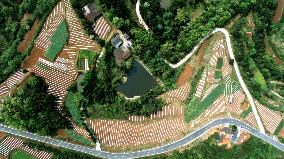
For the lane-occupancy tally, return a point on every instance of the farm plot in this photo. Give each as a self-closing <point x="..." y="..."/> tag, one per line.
<point x="15" y="147"/>
<point x="235" y="106"/>
<point x="19" y="154"/>
<point x="178" y="95"/>
<point x="250" y="118"/>
<point x="84" y="55"/>
<point x="185" y="75"/>
<point x="196" y="107"/>
<point x="62" y="71"/>
<point x="37" y="153"/>
<point x="270" y="118"/>
<point x="58" y="40"/>
<point x="113" y="133"/>
<point x="201" y="84"/>
<point x="217" y="107"/>
<point x="170" y="110"/>
<point x="9" y="144"/>
<point x="11" y="82"/>
<point x="102" y="28"/>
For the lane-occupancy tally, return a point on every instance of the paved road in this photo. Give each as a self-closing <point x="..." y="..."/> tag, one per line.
<point x="159" y="150"/>
<point x="236" y="68"/>
<point x="141" y="21"/>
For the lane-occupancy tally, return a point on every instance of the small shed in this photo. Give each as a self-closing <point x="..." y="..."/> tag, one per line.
<point x="90" y="11"/>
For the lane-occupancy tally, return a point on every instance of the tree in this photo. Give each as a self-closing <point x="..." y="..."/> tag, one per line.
<point x="33" y="109"/>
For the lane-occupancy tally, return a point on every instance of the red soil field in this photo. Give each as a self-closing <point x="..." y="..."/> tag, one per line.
<point x="33" y="58"/>
<point x="278" y="13"/>
<point x="201" y="53"/>
<point x="243" y="138"/>
<point x="62" y="133"/>
<point x="282" y="133"/>
<point x="28" y="37"/>
<point x="185" y="75"/>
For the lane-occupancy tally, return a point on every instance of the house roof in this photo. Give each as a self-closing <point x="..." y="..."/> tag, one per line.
<point x="90" y="11"/>
<point x="116" y="41"/>
<point x="227" y="130"/>
<point x="120" y="56"/>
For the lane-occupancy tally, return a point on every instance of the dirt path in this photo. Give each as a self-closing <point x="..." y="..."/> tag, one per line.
<point x="278" y="13"/>
<point x="28" y="37"/>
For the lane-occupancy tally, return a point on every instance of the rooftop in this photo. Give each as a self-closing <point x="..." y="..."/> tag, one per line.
<point x="90" y="11"/>
<point x="116" y="41"/>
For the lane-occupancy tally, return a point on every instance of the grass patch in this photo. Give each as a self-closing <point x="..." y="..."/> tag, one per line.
<point x="279" y="128"/>
<point x="217" y="74"/>
<point x="194" y="83"/>
<point x="196" y="107"/>
<point x="86" y="54"/>
<point x="19" y="154"/>
<point x="73" y="105"/>
<point x="216" y="93"/>
<point x="58" y="39"/>
<point x="165" y="3"/>
<point x="77" y="137"/>
<point x="81" y="64"/>
<point x="246" y="112"/>
<point x="219" y="63"/>
<point x="258" y="78"/>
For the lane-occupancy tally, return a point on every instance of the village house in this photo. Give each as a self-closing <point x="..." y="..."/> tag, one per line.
<point x="121" y="52"/>
<point x="90" y="11"/>
<point x="120" y="55"/>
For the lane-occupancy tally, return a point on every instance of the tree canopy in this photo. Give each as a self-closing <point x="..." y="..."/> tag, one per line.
<point x="33" y="109"/>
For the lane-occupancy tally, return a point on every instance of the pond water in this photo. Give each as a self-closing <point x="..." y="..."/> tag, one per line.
<point x="138" y="81"/>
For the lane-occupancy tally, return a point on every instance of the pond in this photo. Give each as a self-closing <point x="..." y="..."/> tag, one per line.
<point x="138" y="81"/>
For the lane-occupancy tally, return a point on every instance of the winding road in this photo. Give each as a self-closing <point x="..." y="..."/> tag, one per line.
<point x="231" y="55"/>
<point x="171" y="146"/>
<point x="159" y="150"/>
<point x="236" y="68"/>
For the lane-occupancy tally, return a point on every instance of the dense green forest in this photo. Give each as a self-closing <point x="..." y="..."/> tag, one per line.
<point x="33" y="109"/>
<point x="12" y="31"/>
<point x="253" y="148"/>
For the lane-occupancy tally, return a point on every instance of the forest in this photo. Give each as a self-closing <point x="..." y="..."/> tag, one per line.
<point x="33" y="109"/>
<point x="12" y="31"/>
<point x="253" y="59"/>
<point x="252" y="148"/>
